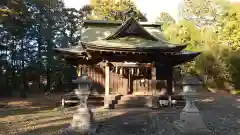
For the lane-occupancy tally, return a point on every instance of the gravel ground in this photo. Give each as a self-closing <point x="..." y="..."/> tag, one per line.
<point x="221" y="114"/>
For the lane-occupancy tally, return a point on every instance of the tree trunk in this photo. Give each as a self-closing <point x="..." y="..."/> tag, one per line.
<point x="23" y="92"/>
<point x="39" y="62"/>
<point x="49" y="56"/>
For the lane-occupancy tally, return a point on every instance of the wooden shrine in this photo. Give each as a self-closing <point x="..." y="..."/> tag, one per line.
<point x="126" y="57"/>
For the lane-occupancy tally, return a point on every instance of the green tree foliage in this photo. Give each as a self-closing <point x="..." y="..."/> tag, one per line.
<point x="212" y="28"/>
<point x="165" y="19"/>
<point x="230" y="27"/>
<point x="113" y="10"/>
<point x="185" y="32"/>
<point x="28" y="34"/>
<point x="202" y="12"/>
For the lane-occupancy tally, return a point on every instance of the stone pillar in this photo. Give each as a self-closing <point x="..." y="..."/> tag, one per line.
<point x="107" y="85"/>
<point x="191" y="122"/>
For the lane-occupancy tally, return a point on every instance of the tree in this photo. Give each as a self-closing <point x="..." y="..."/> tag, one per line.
<point x="202" y="12"/>
<point x="165" y="19"/>
<point x="229" y="27"/>
<point x="70" y="27"/>
<point x="184" y="32"/>
<point x="29" y="31"/>
<point x="113" y="10"/>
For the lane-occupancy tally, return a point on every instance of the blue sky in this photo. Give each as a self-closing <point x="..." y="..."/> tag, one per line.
<point x="151" y="8"/>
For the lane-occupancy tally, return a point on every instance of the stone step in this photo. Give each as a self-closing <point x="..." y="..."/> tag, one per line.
<point x="136" y="101"/>
<point x="132" y="100"/>
<point x="128" y="101"/>
<point x="134" y="97"/>
<point x="173" y="97"/>
<point x="119" y="106"/>
<point x="144" y="97"/>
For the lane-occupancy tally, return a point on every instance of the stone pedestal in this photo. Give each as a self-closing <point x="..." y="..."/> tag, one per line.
<point x="82" y="124"/>
<point x="152" y="102"/>
<point x="191" y="124"/>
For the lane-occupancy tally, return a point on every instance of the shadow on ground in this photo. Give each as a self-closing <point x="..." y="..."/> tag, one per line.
<point x="130" y="123"/>
<point x="50" y="130"/>
<point x="22" y="111"/>
<point x="30" y="105"/>
<point x="220" y="114"/>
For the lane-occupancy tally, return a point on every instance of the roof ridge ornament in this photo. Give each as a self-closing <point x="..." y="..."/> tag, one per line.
<point x="131" y="13"/>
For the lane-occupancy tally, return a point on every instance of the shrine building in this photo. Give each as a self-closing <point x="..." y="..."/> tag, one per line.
<point x="126" y="58"/>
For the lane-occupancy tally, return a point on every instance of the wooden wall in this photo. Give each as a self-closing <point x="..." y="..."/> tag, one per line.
<point x="119" y="84"/>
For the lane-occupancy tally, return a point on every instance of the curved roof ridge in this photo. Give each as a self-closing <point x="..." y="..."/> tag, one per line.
<point x="118" y="23"/>
<point x="121" y="31"/>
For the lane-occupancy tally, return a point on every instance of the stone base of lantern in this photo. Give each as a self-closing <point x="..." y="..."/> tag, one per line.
<point x="191" y="123"/>
<point x="152" y="102"/>
<point x="82" y="124"/>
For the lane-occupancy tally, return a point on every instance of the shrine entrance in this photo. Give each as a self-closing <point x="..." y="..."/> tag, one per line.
<point x="135" y="75"/>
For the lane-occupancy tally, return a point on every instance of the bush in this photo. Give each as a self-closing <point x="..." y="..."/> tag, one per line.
<point x="233" y="60"/>
<point x="213" y="68"/>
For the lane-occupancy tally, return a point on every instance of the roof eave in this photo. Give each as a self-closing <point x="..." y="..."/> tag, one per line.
<point x="90" y="46"/>
<point x="69" y="51"/>
<point x="183" y="57"/>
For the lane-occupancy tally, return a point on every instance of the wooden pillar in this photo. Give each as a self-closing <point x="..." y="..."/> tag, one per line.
<point x="107" y="85"/>
<point x="154" y="98"/>
<point x="129" y="81"/>
<point x="154" y="79"/>
<point x="170" y="85"/>
<point x="79" y="70"/>
<point x="170" y="81"/>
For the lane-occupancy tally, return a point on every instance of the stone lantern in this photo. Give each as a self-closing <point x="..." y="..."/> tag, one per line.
<point x="83" y="121"/>
<point x="191" y="122"/>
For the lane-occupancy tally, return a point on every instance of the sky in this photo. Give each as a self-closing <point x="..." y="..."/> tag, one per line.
<point x="151" y="8"/>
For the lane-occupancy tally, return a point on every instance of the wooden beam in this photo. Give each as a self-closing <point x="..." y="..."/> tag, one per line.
<point x="121" y="64"/>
